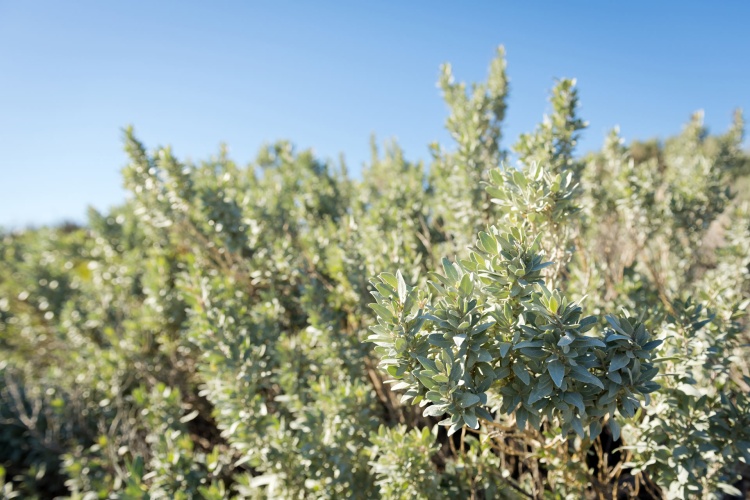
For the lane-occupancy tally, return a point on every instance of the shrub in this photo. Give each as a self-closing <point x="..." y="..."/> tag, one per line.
<point x="216" y="334"/>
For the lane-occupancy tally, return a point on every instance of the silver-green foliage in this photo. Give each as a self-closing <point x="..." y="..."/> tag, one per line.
<point x="493" y="337"/>
<point x="208" y="338"/>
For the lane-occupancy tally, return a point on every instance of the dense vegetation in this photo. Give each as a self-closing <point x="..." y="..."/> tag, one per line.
<point x="495" y="324"/>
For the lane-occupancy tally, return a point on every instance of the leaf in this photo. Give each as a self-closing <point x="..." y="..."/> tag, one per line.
<point x="480" y="328"/>
<point x="466" y="287"/>
<point x="541" y="266"/>
<point x="501" y="372"/>
<point x="384" y="290"/>
<point x="438" y="340"/>
<point x="390" y="279"/>
<point x="437" y="289"/>
<point x="619" y="361"/>
<point x="744" y="447"/>
<point x="577" y="426"/>
<point x="582" y="375"/>
<point x="428" y="363"/>
<point x="382" y="311"/>
<point x="488" y="243"/>
<point x="615" y="428"/>
<point x="617" y="336"/>
<point x="649" y="387"/>
<point x="590" y="342"/>
<point x="566" y="339"/>
<point x="450" y="270"/>
<point x="595" y="429"/>
<point x="539" y="392"/>
<point x="587" y="323"/>
<point x="468" y="399"/>
<point x="434" y="411"/>
<point x="471" y="420"/>
<point x="433" y="396"/>
<point x="616" y="325"/>
<point x="557" y="371"/>
<point x="401" y="287"/>
<point x="459" y="339"/>
<point x="504" y="348"/>
<point x="484" y="356"/>
<point x="428" y="382"/>
<point x="521" y="373"/>
<point x="483" y="413"/>
<point x="553" y="305"/>
<point x="529" y="343"/>
<point x="521" y="418"/>
<point x="729" y="489"/>
<point x="649" y="346"/>
<point x="576" y="400"/>
<point x="690" y="390"/>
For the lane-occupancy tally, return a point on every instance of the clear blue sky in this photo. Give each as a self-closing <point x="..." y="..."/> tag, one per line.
<point x="326" y="75"/>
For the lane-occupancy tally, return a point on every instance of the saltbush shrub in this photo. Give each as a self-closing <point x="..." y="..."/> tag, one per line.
<point x="495" y="323"/>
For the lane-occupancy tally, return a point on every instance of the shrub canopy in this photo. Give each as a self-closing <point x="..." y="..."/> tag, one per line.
<point x="495" y="323"/>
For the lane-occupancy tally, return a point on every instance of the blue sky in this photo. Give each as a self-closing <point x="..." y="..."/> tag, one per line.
<point x="327" y="75"/>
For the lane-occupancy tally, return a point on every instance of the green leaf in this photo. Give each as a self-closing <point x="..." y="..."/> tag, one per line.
<point x="480" y="328"/>
<point x="427" y="363"/>
<point x="529" y="343"/>
<point x="450" y="270"/>
<point x="587" y="323"/>
<point x="466" y="287"/>
<point x="483" y="413"/>
<point x="488" y="243"/>
<point x="504" y="348"/>
<point x="577" y="426"/>
<point x="484" y="356"/>
<point x="433" y="396"/>
<point x="383" y="312"/>
<point x="616" y="325"/>
<point x="438" y="340"/>
<point x="433" y="411"/>
<point x="582" y="375"/>
<point x="390" y="279"/>
<point x="595" y="428"/>
<point x="384" y="290"/>
<point x="566" y="339"/>
<point x="428" y="382"/>
<point x="553" y="305"/>
<point x="744" y="447"/>
<point x="619" y="361"/>
<point x="576" y="400"/>
<point x="471" y="420"/>
<point x="459" y="339"/>
<point x="649" y="346"/>
<point x="539" y="392"/>
<point x="540" y="266"/>
<point x="467" y="399"/>
<point x="521" y="373"/>
<point x="557" y="371"/>
<point x="521" y="417"/>
<point x="401" y="287"/>
<point x="437" y="289"/>
<point x="615" y="428"/>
